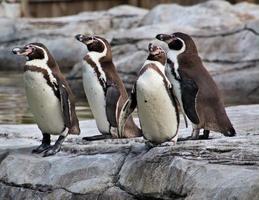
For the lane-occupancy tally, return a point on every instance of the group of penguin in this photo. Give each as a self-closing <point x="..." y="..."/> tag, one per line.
<point x="167" y="84"/>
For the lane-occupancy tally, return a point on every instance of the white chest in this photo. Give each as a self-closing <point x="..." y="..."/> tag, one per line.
<point x="96" y="97"/>
<point x="44" y="105"/>
<point x="157" y="114"/>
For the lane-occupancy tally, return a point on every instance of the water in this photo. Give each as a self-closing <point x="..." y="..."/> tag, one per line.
<point x="13" y="105"/>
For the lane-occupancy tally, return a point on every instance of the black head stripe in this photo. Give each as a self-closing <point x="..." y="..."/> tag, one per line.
<point x="190" y="46"/>
<point x="96" y="45"/>
<point x="37" y="53"/>
<point x="176" y="45"/>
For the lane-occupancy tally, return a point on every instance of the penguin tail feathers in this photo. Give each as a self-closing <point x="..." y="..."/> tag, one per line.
<point x="230" y="133"/>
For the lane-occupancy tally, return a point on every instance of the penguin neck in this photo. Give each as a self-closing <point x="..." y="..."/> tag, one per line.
<point x="159" y="68"/>
<point x="37" y="62"/>
<point x="38" y="65"/>
<point x="94" y="58"/>
<point x="159" y="65"/>
<point x="172" y="57"/>
<point x="47" y="62"/>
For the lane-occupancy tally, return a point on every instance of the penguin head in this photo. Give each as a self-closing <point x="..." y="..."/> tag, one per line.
<point x="97" y="45"/>
<point x="178" y="42"/>
<point x="156" y="53"/>
<point x="32" y="51"/>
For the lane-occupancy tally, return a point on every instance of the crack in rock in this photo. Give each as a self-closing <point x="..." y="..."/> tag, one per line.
<point x="254" y="61"/>
<point x="40" y="188"/>
<point x="249" y="66"/>
<point x="245" y="28"/>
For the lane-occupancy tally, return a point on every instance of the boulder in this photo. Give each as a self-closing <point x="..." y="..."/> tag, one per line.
<point x="128" y="169"/>
<point x="58" y="33"/>
<point x="215" y="13"/>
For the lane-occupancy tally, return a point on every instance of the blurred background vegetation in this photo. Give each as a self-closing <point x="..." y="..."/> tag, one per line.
<point x="48" y="8"/>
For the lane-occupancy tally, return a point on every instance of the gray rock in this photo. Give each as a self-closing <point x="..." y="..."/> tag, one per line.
<point x="233" y="46"/>
<point x="58" y="33"/>
<point x="246" y="10"/>
<point x="116" y="193"/>
<point x="133" y="63"/>
<point x="237" y="82"/>
<point x="129" y="66"/>
<point x="220" y="14"/>
<point x="122" y="51"/>
<point x="174" y="177"/>
<point x="127" y="10"/>
<point x="125" y="16"/>
<point x="118" y="169"/>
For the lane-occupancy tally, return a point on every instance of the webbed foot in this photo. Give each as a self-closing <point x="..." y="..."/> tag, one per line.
<point x="41" y="148"/>
<point x="44" y="145"/>
<point x="55" y="148"/>
<point x="52" y="150"/>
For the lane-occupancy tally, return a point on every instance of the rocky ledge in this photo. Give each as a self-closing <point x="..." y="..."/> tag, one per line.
<point x="218" y="168"/>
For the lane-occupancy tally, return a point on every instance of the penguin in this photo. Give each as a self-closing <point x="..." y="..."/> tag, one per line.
<point x="155" y="102"/>
<point x="49" y="97"/>
<point x="104" y="89"/>
<point x="196" y="91"/>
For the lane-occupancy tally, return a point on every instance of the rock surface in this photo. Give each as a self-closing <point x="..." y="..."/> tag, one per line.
<point x="227" y="37"/>
<point x="58" y="33"/>
<point x="126" y="169"/>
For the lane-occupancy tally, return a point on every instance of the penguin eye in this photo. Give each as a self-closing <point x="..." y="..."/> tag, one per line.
<point x="94" y="38"/>
<point x="30" y="47"/>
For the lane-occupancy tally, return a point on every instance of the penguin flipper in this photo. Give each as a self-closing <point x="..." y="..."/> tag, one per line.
<point x="184" y="115"/>
<point x="65" y="104"/>
<point x="126" y="111"/>
<point x="112" y="96"/>
<point x="189" y="92"/>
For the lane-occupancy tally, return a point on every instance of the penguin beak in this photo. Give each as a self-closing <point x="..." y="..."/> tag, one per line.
<point x="164" y="37"/>
<point x="23" y="51"/>
<point x="85" y="39"/>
